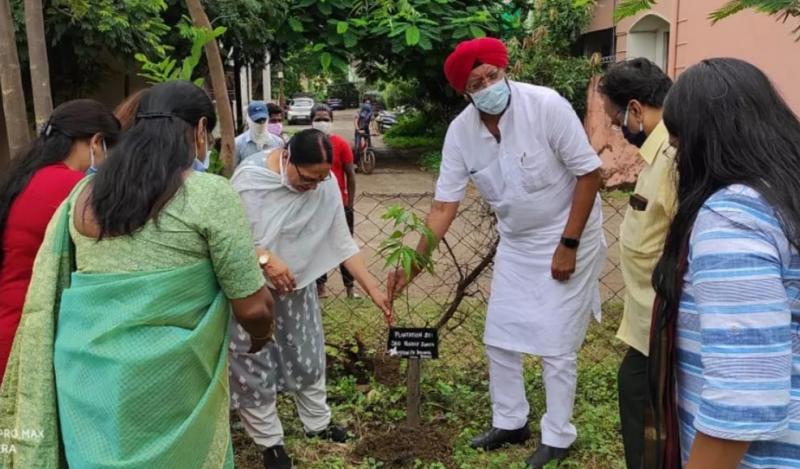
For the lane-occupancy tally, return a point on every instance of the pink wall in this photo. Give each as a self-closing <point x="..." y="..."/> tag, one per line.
<point x="751" y="36"/>
<point x="748" y="35"/>
<point x="603" y="16"/>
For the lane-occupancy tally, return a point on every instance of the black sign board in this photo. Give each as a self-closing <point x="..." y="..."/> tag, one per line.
<point x="411" y="342"/>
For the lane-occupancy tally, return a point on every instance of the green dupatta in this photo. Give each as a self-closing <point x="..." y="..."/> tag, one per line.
<point x="125" y="369"/>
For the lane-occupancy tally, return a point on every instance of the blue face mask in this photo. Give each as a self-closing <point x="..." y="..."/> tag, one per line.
<point x="202" y="166"/>
<point x="92" y="168"/>
<point x="493" y="99"/>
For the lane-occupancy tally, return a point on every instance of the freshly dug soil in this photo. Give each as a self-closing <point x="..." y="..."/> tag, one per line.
<point x="387" y="370"/>
<point x="401" y="446"/>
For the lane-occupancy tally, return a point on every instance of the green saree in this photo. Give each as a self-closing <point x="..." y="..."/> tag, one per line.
<point x="123" y="370"/>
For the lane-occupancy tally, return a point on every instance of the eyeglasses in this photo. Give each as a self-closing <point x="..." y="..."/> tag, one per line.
<point x="261" y="121"/>
<point x="485" y="81"/>
<point x="310" y="180"/>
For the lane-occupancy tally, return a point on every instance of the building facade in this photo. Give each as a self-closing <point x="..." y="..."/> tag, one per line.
<point x="677" y="34"/>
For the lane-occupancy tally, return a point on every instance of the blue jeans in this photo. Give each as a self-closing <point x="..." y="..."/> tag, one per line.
<point x="356" y="151"/>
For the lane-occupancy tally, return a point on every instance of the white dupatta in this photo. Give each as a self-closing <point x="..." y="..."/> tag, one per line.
<point x="306" y="230"/>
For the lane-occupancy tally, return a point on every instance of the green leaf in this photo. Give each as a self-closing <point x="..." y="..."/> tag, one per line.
<point x="412" y="36"/>
<point x="325" y="60"/>
<point x="325" y="9"/>
<point x="296" y="25"/>
<point x="460" y="33"/>
<point x="341" y="27"/>
<point x="425" y="43"/>
<point x="476" y="31"/>
<point x="350" y="40"/>
<point x="406" y="261"/>
<point x="628" y="8"/>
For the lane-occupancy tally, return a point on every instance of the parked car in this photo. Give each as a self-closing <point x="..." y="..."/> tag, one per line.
<point x="335" y="103"/>
<point x="300" y="110"/>
<point x="385" y="120"/>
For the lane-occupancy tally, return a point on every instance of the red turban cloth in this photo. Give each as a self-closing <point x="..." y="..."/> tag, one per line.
<point x="468" y="54"/>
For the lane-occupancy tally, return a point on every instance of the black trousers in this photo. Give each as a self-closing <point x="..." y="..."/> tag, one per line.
<point x="633" y="398"/>
<point x="347" y="277"/>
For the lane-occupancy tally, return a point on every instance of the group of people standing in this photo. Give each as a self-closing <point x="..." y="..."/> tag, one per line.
<point x="709" y="255"/>
<point x="146" y="300"/>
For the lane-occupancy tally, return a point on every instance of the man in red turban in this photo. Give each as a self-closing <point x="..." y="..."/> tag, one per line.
<point x="525" y="150"/>
<point x="470" y="54"/>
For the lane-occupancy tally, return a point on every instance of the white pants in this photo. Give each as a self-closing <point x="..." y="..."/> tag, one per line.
<point x="510" y="406"/>
<point x="264" y="426"/>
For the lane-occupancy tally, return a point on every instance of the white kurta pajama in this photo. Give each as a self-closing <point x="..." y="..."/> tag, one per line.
<point x="529" y="179"/>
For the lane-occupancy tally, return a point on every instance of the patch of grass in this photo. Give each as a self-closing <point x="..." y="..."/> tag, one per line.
<point x="413" y="142"/>
<point x="455" y="397"/>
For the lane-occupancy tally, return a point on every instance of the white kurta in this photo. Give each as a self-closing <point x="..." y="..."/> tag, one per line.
<point x="529" y="180"/>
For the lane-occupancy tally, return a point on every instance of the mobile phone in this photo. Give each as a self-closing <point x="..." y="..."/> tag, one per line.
<point x="638" y="203"/>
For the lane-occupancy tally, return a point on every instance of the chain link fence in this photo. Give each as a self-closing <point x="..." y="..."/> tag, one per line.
<point x="454" y="297"/>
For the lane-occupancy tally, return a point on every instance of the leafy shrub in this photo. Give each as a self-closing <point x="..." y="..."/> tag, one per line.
<point x="431" y="161"/>
<point x="416" y="130"/>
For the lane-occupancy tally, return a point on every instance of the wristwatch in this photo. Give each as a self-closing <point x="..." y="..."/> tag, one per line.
<point x="263" y="260"/>
<point x="570" y="243"/>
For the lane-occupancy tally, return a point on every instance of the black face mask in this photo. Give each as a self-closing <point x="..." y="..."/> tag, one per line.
<point x="637" y="139"/>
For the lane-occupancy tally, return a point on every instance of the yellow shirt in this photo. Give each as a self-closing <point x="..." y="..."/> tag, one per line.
<point x="642" y="235"/>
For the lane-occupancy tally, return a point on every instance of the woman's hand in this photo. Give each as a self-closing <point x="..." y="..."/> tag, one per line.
<point x="563" y="265"/>
<point x="396" y="283"/>
<point x="382" y="301"/>
<point x="280" y="276"/>
<point x="258" y="343"/>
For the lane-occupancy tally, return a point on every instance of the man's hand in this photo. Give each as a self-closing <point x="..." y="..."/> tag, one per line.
<point x="563" y="265"/>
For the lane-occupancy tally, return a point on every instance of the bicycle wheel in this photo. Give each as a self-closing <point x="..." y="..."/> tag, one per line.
<point x="367" y="163"/>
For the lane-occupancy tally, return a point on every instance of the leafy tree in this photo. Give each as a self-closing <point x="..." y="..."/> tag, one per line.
<point x="781" y="9"/>
<point x="543" y="57"/>
<point x="11" y="84"/>
<point x="165" y="68"/>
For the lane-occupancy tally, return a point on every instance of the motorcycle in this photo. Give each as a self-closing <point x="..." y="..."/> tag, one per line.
<point x="386" y="120"/>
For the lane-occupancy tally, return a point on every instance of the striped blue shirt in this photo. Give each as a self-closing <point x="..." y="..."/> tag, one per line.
<point x="739" y="331"/>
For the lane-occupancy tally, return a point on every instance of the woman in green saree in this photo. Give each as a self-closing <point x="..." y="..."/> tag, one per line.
<point x="121" y="355"/>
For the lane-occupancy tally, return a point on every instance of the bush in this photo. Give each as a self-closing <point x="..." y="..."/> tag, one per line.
<point x="416" y="130"/>
<point x="431" y="161"/>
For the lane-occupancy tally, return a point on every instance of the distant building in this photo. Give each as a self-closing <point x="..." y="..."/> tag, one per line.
<point x="677" y="34"/>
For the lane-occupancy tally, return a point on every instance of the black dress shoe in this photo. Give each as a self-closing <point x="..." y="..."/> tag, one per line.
<point x="275" y="457"/>
<point x="332" y="432"/>
<point x="544" y="454"/>
<point x="497" y="437"/>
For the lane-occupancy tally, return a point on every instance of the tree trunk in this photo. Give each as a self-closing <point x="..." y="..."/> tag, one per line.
<point x="217" y="72"/>
<point x="11" y="84"/>
<point x="414" y="398"/>
<point x="40" y="69"/>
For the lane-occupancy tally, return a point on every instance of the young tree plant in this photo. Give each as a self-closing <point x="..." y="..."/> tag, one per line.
<point x="398" y="255"/>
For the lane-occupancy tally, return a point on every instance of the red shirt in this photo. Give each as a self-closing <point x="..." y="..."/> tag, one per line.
<point x="27" y="221"/>
<point x="342" y="156"/>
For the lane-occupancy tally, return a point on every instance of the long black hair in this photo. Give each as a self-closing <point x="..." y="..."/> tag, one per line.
<point x="146" y="169"/>
<point x="74" y="120"/>
<point x="731" y="127"/>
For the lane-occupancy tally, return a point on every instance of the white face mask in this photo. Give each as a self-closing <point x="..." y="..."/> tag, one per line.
<point x="322" y="126"/>
<point x="258" y="132"/>
<point x="494" y="99"/>
<point x="284" y="176"/>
